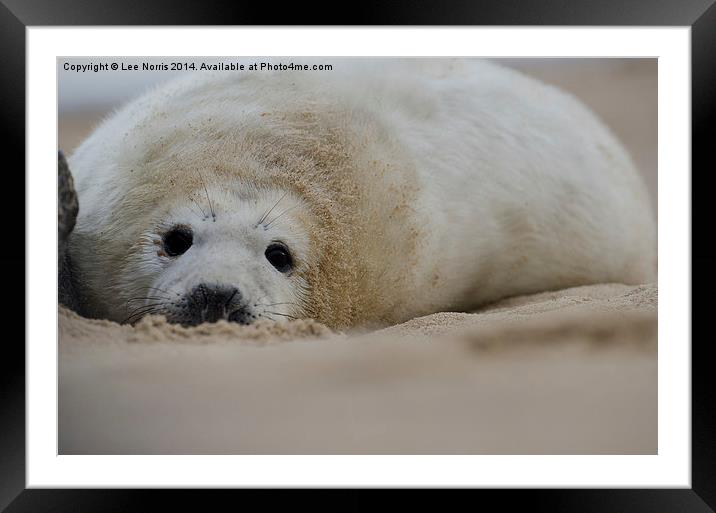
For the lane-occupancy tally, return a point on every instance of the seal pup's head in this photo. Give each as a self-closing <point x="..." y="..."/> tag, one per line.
<point x="237" y="254"/>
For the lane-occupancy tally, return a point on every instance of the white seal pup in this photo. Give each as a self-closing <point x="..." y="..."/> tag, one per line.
<point x="364" y="196"/>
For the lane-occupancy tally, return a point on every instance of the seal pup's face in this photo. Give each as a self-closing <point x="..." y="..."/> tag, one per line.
<point x="221" y="254"/>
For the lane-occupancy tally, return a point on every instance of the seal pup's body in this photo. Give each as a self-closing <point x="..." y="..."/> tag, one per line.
<point x="400" y="188"/>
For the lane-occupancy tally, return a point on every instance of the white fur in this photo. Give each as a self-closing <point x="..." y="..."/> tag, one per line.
<point x="519" y="187"/>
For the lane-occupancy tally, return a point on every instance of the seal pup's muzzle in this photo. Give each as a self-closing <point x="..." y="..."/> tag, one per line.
<point x="211" y="303"/>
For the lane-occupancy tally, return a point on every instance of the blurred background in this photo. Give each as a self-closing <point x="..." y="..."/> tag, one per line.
<point x="623" y="93"/>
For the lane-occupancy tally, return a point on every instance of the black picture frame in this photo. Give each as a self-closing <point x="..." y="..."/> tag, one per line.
<point x="16" y="15"/>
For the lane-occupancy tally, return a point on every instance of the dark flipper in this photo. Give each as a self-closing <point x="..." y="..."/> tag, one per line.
<point x="67" y="209"/>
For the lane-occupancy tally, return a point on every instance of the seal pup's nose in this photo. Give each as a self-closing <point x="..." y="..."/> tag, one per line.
<point x="211" y="302"/>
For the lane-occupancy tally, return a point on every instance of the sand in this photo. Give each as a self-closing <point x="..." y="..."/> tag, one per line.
<point x="566" y="372"/>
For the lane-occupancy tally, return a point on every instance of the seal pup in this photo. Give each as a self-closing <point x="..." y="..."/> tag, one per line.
<point x="365" y="196"/>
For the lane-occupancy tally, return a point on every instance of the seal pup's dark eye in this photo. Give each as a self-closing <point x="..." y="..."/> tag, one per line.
<point x="279" y="257"/>
<point x="178" y="240"/>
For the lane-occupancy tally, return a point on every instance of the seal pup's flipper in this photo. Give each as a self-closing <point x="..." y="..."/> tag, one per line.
<point x="67" y="209"/>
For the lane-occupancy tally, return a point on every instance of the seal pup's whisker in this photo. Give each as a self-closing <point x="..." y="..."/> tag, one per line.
<point x="277" y="304"/>
<point x="195" y="212"/>
<point x="269" y="317"/>
<point x="208" y="199"/>
<point x="197" y="204"/>
<point x="228" y="301"/>
<point x="268" y="225"/>
<point x="135" y="316"/>
<point x="145" y="299"/>
<point x="155" y="302"/>
<point x="133" y="321"/>
<point x="267" y="213"/>
<point x="170" y="292"/>
<point x="143" y="307"/>
<point x="283" y="314"/>
<point x="157" y="296"/>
